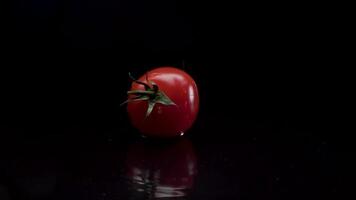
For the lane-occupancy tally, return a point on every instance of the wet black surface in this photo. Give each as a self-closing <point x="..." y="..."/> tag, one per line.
<point x="90" y="164"/>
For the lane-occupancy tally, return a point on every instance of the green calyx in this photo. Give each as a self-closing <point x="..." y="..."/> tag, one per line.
<point x="151" y="94"/>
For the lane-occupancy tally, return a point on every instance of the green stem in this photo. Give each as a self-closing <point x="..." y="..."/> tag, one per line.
<point x="139" y="82"/>
<point x="140" y="92"/>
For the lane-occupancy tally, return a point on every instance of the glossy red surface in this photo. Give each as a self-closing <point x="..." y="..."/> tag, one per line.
<point x="167" y="121"/>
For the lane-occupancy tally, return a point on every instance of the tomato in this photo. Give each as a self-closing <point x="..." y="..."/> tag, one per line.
<point x="164" y="102"/>
<point x="161" y="170"/>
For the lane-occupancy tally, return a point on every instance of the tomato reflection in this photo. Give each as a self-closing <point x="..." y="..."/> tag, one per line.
<point x="161" y="170"/>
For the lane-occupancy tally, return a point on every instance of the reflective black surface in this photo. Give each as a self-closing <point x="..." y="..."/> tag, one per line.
<point x="103" y="165"/>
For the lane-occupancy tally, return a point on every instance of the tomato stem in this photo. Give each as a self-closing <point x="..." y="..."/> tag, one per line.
<point x="141" y="92"/>
<point x="139" y="82"/>
<point x="151" y="94"/>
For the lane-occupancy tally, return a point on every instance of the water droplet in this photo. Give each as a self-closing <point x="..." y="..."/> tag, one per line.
<point x="181" y="133"/>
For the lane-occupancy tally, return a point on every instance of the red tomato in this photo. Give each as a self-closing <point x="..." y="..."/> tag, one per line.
<point x="163" y="103"/>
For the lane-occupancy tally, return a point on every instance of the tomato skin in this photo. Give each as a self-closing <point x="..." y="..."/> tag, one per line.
<point x="166" y="120"/>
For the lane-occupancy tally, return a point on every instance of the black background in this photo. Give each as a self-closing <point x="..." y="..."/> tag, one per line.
<point x="68" y="60"/>
<point x="260" y="69"/>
